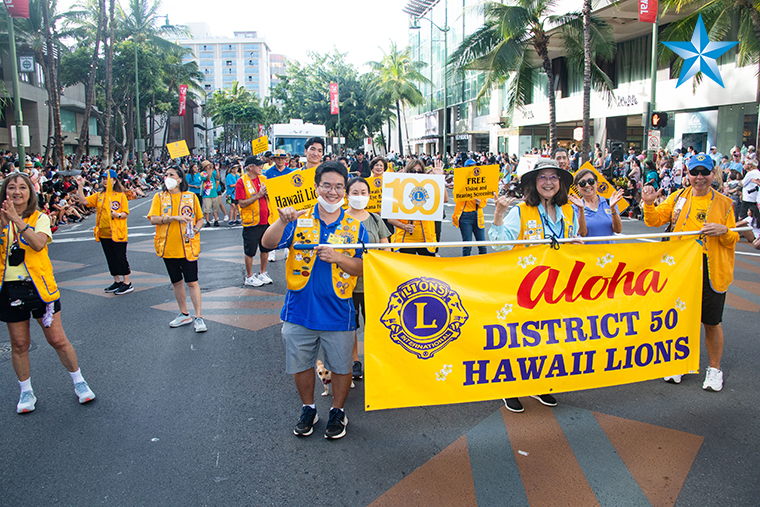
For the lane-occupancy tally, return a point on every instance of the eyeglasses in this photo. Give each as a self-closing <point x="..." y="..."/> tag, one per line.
<point x="589" y="182"/>
<point x="329" y="188"/>
<point x="703" y="171"/>
<point x="737" y="155"/>
<point x="550" y="177"/>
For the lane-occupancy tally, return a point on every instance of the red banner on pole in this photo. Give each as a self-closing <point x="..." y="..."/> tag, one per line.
<point x="647" y="11"/>
<point x="18" y="8"/>
<point x="334" y="107"/>
<point x="182" y="99"/>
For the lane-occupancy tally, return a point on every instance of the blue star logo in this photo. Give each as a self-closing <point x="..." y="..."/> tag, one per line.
<point x="700" y="54"/>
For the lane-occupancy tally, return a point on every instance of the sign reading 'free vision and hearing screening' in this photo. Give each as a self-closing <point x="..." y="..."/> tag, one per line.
<point x="294" y="189"/>
<point x="475" y="182"/>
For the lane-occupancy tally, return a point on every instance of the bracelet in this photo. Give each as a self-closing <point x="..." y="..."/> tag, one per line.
<point x="25" y="228"/>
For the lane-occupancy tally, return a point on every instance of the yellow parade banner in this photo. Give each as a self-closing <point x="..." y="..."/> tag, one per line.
<point x="603" y="186"/>
<point x="532" y="321"/>
<point x="294" y="189"/>
<point x="178" y="149"/>
<point x="375" y="194"/>
<point x="475" y="182"/>
<point x="259" y="145"/>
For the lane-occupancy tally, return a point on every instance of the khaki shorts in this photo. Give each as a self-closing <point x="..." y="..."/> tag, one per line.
<point x="211" y="204"/>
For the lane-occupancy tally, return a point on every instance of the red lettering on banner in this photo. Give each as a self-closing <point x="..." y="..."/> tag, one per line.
<point x="592" y="288"/>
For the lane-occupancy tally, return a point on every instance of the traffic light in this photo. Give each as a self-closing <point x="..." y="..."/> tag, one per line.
<point x="659" y="120"/>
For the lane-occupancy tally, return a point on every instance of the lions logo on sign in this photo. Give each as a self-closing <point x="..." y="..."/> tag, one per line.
<point x="476" y="172"/>
<point x="602" y="187"/>
<point x="424" y="315"/>
<point x="378" y="182"/>
<point x="419" y="196"/>
<point x="297" y="180"/>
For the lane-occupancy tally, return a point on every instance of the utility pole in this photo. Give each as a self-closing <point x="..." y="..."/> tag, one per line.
<point x="18" y="115"/>
<point x="653" y="89"/>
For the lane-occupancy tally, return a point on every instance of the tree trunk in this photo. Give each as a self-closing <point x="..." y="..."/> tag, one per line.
<point x="398" y="122"/>
<point x="129" y="142"/>
<point x="388" y="150"/>
<point x="54" y="91"/>
<point x="586" y="82"/>
<point x="84" y="132"/>
<point x="406" y="129"/>
<point x="109" y="85"/>
<point x="754" y="16"/>
<point x="50" y="129"/>
<point x="541" y="44"/>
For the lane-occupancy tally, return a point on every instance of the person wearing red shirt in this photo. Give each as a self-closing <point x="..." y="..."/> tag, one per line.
<point x="251" y="193"/>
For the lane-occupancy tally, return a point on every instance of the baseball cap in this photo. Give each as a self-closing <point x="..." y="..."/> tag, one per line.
<point x="253" y="160"/>
<point x="701" y="160"/>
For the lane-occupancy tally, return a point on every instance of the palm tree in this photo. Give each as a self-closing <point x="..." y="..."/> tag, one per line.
<point x="500" y="49"/>
<point x="395" y="81"/>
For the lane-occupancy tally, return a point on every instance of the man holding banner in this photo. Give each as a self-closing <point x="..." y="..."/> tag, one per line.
<point x="318" y="307"/>
<point x="251" y="193"/>
<point x="700" y="208"/>
<point x="315" y="148"/>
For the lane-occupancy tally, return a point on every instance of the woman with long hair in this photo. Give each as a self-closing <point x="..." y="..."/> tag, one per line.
<point x="28" y="288"/>
<point x="112" y="210"/>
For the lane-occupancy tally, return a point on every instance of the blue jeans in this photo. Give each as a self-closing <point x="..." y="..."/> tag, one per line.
<point x="468" y="225"/>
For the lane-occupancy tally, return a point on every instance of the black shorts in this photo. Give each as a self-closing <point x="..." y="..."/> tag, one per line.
<point x="182" y="268"/>
<point x="252" y="239"/>
<point x="712" y="302"/>
<point x="358" y="298"/>
<point x="10" y="313"/>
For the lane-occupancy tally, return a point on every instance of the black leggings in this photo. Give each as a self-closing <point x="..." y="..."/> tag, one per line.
<point x="116" y="256"/>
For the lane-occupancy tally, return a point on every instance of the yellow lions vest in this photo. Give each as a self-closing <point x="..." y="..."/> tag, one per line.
<point x="37" y="264"/>
<point x="532" y="226"/>
<point x="251" y="215"/>
<point x="300" y="263"/>
<point x="459" y="209"/>
<point x="118" y="226"/>
<point x="191" y="248"/>
<point x="428" y="234"/>
<point x="720" y="258"/>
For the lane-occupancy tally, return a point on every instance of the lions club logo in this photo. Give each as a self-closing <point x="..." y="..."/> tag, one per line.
<point x="378" y="182"/>
<point x="115" y="205"/>
<point x="297" y="180"/>
<point x="186" y="211"/>
<point x="603" y="187"/>
<point x="476" y="172"/>
<point x="419" y="196"/>
<point x="424" y="315"/>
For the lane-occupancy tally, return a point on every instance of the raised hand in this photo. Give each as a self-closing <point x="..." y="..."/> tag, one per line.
<point x="289" y="214"/>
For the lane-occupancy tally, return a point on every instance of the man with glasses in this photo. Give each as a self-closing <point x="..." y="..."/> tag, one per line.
<point x="251" y="193"/>
<point x="318" y="307"/>
<point x="700" y="208"/>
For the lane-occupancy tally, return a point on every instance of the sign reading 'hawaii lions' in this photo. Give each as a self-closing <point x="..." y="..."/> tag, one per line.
<point x="532" y="321"/>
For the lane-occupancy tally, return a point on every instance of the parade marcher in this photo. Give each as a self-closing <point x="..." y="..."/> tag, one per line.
<point x="468" y="217"/>
<point x="378" y="166"/>
<point x="251" y="193"/>
<point x="112" y="210"/>
<point x="545" y="213"/>
<point x="280" y="168"/>
<point x="417" y="231"/>
<point x="210" y="192"/>
<point x="699" y="207"/>
<point x="194" y="180"/>
<point x="178" y="217"/>
<point x="28" y="288"/>
<point x="596" y="215"/>
<point x="377" y="232"/>
<point x="318" y="307"/>
<point x="315" y="148"/>
<point x="231" y="181"/>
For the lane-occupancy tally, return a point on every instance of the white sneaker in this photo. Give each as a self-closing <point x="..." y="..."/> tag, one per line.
<point x="181" y="320"/>
<point x="84" y="392"/>
<point x="272" y="256"/>
<point x="226" y="218"/>
<point x="264" y="278"/>
<point x="199" y="325"/>
<point x="26" y="402"/>
<point x="713" y="380"/>
<point x="673" y="379"/>
<point x="254" y="281"/>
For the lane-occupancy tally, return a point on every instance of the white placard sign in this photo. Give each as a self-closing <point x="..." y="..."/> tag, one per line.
<point x="408" y="196"/>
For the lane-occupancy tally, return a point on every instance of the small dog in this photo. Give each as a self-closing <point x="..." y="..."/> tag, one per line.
<point x="325" y="376"/>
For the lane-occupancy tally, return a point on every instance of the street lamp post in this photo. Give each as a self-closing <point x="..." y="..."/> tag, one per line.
<point x="445" y="30"/>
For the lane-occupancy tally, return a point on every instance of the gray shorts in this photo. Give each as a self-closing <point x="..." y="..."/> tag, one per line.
<point x="302" y="346"/>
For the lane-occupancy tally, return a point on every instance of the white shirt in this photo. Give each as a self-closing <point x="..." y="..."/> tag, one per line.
<point x="750" y="189"/>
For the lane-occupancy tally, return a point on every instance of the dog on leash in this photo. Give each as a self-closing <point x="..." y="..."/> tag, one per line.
<point x="325" y="376"/>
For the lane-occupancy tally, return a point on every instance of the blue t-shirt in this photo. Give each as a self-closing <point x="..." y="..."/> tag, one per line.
<point x="316" y="306"/>
<point x="194" y="179"/>
<point x="210" y="190"/>
<point x="599" y="222"/>
<point x="272" y="172"/>
<point x="230" y="181"/>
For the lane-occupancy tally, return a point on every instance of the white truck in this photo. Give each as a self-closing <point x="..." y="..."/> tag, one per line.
<point x="292" y="136"/>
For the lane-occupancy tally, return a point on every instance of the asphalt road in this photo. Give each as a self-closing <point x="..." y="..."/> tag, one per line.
<point x="206" y="419"/>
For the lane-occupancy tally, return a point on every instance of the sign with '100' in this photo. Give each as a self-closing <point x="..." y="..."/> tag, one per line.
<point x="409" y="196"/>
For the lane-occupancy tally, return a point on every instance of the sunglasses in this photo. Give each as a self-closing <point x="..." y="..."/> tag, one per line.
<point x="700" y="171"/>
<point x="589" y="182"/>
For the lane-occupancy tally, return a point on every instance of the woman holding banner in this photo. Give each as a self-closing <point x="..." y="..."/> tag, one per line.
<point x="546" y="213"/>
<point x="596" y="216"/>
<point x="358" y="198"/>
<point x="417" y="231"/>
<point x="378" y="166"/>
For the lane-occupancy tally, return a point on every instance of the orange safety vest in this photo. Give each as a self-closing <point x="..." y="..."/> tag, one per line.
<point x="532" y="225"/>
<point x="192" y="248"/>
<point x="37" y="264"/>
<point x="251" y="214"/>
<point x="300" y="263"/>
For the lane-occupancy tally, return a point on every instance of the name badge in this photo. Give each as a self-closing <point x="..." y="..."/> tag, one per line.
<point x="305" y="222"/>
<point x="532" y="224"/>
<point x="680" y="203"/>
<point x="335" y="240"/>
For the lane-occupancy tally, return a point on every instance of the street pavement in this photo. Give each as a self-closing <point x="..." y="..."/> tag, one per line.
<point x="206" y="419"/>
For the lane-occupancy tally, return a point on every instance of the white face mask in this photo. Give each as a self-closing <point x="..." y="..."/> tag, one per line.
<point x="170" y="183"/>
<point x="330" y="208"/>
<point x="358" y="201"/>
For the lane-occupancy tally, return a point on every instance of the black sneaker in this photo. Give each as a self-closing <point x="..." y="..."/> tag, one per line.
<point x="306" y="423"/>
<point x="546" y="399"/>
<point x="216" y="223"/>
<point x="113" y="287"/>
<point x="513" y="404"/>
<point x="336" y="426"/>
<point x="125" y="288"/>
<point x="208" y="224"/>
<point x="357" y="370"/>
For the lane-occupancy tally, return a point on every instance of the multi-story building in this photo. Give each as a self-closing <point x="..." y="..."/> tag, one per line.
<point x="277" y="64"/>
<point x="700" y="116"/>
<point x="244" y="58"/>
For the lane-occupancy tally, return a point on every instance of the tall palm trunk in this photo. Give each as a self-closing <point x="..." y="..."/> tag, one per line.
<point x="54" y="91"/>
<point x="109" y="84"/>
<point x="398" y="124"/>
<point x="541" y="43"/>
<point x="84" y="133"/>
<point x="389" y="137"/>
<point x="586" y="81"/>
